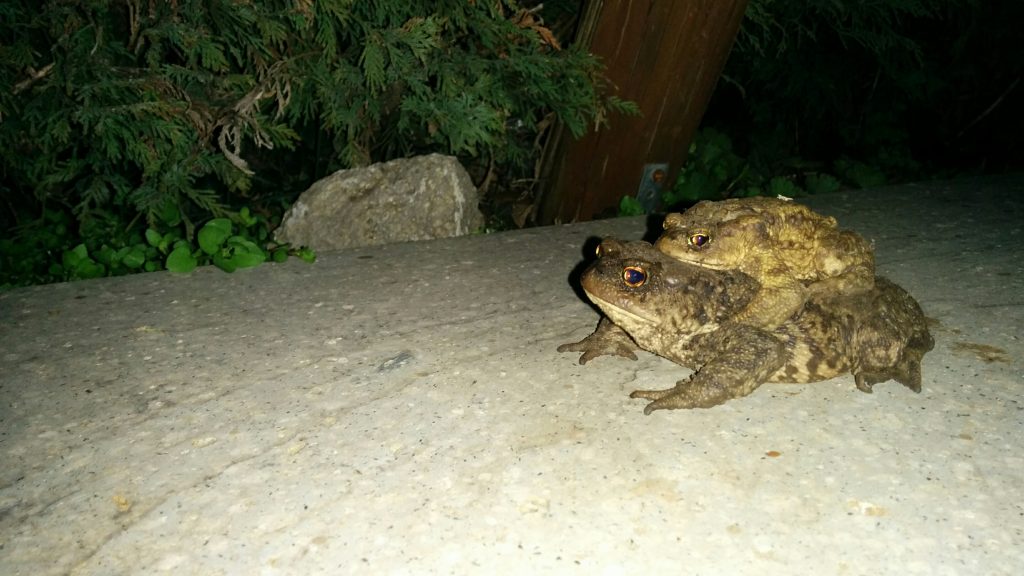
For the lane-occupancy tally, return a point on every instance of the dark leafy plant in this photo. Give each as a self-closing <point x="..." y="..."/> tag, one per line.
<point x="45" y="251"/>
<point x="182" y="111"/>
<point x="229" y="244"/>
<point x="714" y="171"/>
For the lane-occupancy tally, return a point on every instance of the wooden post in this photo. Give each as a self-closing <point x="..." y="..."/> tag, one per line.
<point x="665" y="55"/>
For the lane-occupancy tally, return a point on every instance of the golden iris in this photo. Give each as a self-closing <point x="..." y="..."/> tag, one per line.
<point x="699" y="239"/>
<point x="634" y="276"/>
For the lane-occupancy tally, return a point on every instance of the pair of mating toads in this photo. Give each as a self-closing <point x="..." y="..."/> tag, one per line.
<point x="753" y="290"/>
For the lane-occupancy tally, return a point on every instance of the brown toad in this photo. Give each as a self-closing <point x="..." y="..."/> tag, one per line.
<point x="684" y="313"/>
<point x="791" y="250"/>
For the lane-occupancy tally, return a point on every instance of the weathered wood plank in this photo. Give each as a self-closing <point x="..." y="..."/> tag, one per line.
<point x="667" y="57"/>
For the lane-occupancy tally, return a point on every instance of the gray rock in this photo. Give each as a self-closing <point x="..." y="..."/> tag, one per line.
<point x="406" y="199"/>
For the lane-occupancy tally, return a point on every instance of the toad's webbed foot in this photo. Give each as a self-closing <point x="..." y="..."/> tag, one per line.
<point x="607" y="340"/>
<point x="692" y="393"/>
<point x="906" y="371"/>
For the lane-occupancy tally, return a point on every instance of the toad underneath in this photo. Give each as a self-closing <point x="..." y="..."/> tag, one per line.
<point x="792" y="251"/>
<point x="684" y="313"/>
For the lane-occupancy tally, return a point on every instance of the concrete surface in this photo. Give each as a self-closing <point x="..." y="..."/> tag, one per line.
<point x="402" y="410"/>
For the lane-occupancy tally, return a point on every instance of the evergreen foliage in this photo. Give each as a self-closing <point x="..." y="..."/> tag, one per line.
<point x="181" y="110"/>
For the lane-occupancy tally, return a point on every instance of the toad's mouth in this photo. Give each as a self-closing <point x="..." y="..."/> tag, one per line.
<point x="710" y="265"/>
<point x="619" y="310"/>
<point x="706" y="263"/>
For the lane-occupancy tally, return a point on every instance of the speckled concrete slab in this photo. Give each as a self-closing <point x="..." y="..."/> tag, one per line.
<point x="402" y="410"/>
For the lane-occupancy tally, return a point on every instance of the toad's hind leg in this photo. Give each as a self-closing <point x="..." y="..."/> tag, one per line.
<point x="747" y="357"/>
<point x="891" y="344"/>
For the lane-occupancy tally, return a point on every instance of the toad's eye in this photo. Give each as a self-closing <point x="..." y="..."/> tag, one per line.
<point x="699" y="239"/>
<point x="634" y="276"/>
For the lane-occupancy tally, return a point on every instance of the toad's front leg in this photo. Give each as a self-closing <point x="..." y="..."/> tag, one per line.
<point x="774" y="304"/>
<point x="607" y="340"/>
<point x="746" y="357"/>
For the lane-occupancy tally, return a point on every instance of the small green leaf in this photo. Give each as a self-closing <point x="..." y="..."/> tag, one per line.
<point x="181" y="260"/>
<point x="780" y="186"/>
<point x="248" y="259"/>
<point x="213" y="234"/>
<point x="106" y="255"/>
<point x="630" y="206"/>
<point x="73" y="257"/>
<point x="306" y="254"/>
<point x="89" y="268"/>
<point x="153" y="237"/>
<point x="246" y="217"/>
<point x="861" y="174"/>
<point x="78" y="264"/>
<point x="821" y="183"/>
<point x="245" y="253"/>
<point x="697" y="186"/>
<point x="224" y="263"/>
<point x="279" y="255"/>
<point x="166" y="241"/>
<point x="239" y="242"/>
<point x="135" y="257"/>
